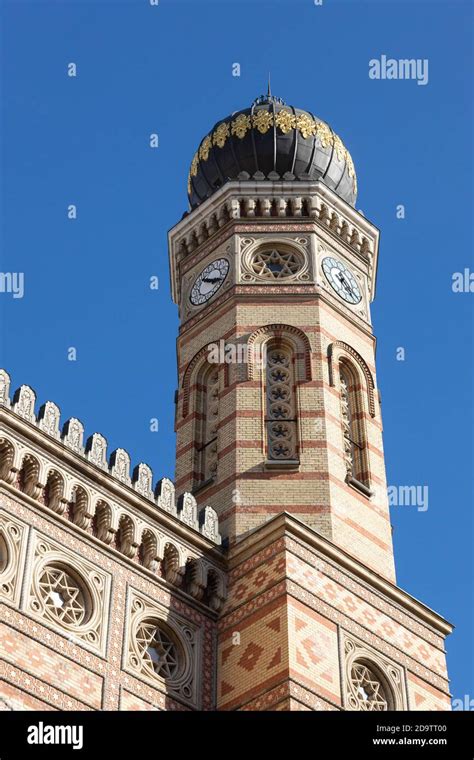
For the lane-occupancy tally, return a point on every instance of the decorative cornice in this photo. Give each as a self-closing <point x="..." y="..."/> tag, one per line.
<point x="266" y="203"/>
<point x="285" y="524"/>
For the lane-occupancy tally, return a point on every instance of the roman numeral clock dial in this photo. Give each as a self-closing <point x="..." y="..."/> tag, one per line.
<point x="342" y="280"/>
<point x="209" y="281"/>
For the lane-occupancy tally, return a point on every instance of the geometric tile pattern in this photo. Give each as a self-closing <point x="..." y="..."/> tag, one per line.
<point x="364" y="613"/>
<point x="317" y="598"/>
<point x="314" y="658"/>
<point x="310" y="560"/>
<point x="256" y="581"/>
<point x="289" y="696"/>
<point x="47" y="666"/>
<point x="134" y="703"/>
<point x="339" y="598"/>
<point x="422" y="696"/>
<point x="252" y="657"/>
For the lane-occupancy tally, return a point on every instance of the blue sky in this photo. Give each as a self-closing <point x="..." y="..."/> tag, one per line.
<point x="168" y="69"/>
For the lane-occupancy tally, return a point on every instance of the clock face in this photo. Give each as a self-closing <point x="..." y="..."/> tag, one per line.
<point x="341" y="280"/>
<point x="209" y="281"/>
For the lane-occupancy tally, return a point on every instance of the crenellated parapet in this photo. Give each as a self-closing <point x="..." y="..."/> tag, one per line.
<point x="149" y="524"/>
<point x="117" y="465"/>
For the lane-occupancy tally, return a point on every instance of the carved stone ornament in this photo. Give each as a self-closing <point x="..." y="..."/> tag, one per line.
<point x="161" y="648"/>
<point x="120" y="465"/>
<point x="96" y="450"/>
<point x="276" y="260"/>
<point x="187" y="510"/>
<point x="73" y="434"/>
<point x="4" y="388"/>
<point x="210" y="524"/>
<point x="371" y="682"/>
<point x="166" y="496"/>
<point x="24" y="403"/>
<point x="143" y="480"/>
<point x="48" y="419"/>
<point x="68" y="593"/>
<point x="13" y="538"/>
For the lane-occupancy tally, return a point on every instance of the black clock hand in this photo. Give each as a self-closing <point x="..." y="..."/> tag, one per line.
<point x="344" y="282"/>
<point x="211" y="279"/>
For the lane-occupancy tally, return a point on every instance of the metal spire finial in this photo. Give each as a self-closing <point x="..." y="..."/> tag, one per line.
<point x="268" y="98"/>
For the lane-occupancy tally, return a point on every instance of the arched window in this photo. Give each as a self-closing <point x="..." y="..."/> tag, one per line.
<point x="353" y="428"/>
<point x="280" y="416"/>
<point x="207" y="423"/>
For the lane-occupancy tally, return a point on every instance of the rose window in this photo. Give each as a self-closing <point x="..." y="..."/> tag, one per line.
<point x="63" y="597"/>
<point x="272" y="264"/>
<point x="367" y="690"/>
<point x="159" y="650"/>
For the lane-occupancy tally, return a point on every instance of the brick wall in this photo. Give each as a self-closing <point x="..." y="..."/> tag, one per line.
<point x="289" y="612"/>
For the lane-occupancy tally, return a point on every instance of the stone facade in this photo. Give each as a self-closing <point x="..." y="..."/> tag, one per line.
<point x="117" y="595"/>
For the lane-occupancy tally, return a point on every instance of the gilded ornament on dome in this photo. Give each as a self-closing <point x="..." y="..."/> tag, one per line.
<point x="194" y="165"/>
<point x="221" y="134"/>
<point x="205" y="148"/>
<point x="262" y="120"/>
<point x="305" y="124"/>
<point x="241" y="125"/>
<point x="285" y="121"/>
<point x="324" y="133"/>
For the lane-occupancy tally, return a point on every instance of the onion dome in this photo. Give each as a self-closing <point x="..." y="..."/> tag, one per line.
<point x="271" y="141"/>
